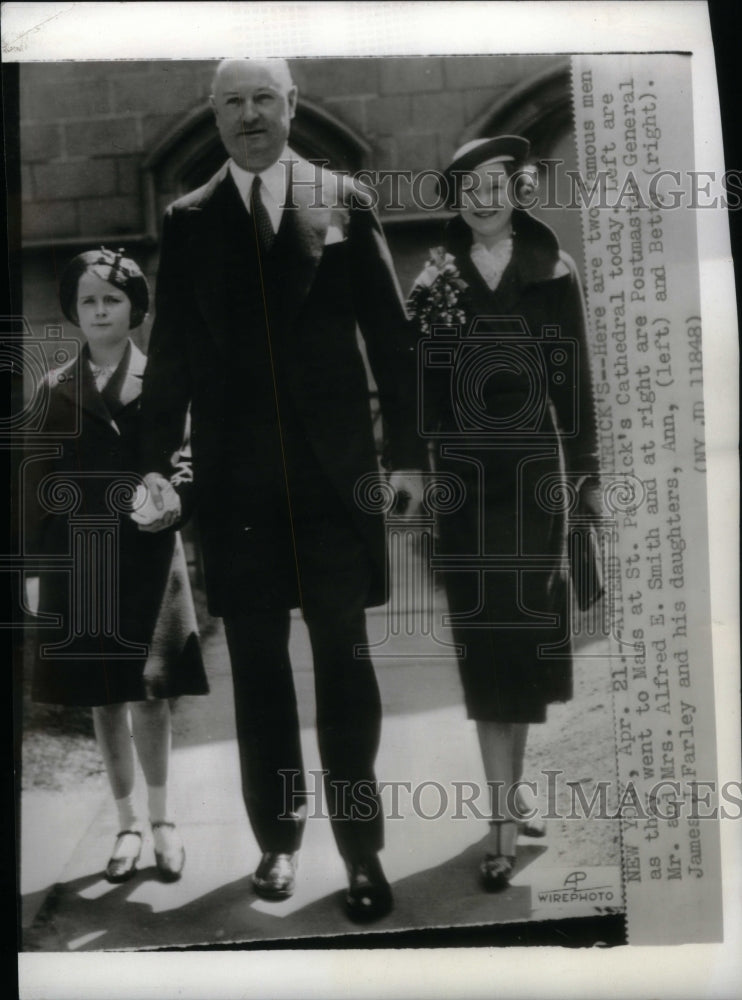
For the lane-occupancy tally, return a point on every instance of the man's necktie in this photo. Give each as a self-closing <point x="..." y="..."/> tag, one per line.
<point x="260" y="218"/>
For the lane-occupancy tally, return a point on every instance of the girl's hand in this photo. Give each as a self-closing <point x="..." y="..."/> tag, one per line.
<point x="32" y="594"/>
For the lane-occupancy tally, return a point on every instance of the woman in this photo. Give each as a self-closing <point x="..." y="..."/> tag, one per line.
<point x="149" y="651"/>
<point x="508" y="400"/>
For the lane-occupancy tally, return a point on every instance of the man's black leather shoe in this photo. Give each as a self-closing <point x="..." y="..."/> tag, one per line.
<point x="275" y="876"/>
<point x="369" y="895"/>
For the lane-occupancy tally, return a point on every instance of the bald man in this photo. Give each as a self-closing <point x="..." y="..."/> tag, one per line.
<point x="266" y="273"/>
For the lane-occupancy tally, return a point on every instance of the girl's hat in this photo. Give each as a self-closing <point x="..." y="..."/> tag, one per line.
<point x="122" y="272"/>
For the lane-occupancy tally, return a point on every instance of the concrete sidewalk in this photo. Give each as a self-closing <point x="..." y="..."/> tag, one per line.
<point x="432" y="862"/>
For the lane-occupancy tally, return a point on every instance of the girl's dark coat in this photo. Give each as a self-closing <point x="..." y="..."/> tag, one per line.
<point x="97" y="439"/>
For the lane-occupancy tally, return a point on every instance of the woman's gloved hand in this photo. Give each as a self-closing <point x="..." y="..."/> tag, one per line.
<point x="590" y="503"/>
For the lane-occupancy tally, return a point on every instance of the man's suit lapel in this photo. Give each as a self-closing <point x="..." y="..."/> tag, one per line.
<point x="221" y="241"/>
<point x="292" y="263"/>
<point x="219" y="245"/>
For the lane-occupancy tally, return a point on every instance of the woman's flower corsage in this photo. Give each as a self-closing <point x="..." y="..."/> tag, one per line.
<point x="438" y="296"/>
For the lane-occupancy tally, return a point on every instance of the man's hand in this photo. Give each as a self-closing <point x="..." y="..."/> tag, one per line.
<point x="408" y="485"/>
<point x="161" y="506"/>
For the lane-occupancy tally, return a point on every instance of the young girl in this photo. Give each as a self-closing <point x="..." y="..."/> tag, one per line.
<point x="125" y="639"/>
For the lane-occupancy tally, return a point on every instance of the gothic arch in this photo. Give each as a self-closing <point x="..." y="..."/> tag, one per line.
<point x="539" y="108"/>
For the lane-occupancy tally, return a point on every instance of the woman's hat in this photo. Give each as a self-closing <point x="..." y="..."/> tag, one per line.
<point x="508" y="148"/>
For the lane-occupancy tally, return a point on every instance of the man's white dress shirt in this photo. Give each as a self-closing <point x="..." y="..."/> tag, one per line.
<point x="275" y="182"/>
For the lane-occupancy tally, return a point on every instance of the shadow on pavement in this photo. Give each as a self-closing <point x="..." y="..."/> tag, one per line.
<point x="86" y="914"/>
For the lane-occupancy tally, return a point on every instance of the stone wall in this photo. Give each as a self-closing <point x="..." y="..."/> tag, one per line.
<point x="87" y="129"/>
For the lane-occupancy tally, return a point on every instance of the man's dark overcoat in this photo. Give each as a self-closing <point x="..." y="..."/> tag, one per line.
<point x="268" y="355"/>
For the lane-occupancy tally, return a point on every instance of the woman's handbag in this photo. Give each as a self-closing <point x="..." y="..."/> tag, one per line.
<point x="585" y="555"/>
<point x="585" y="563"/>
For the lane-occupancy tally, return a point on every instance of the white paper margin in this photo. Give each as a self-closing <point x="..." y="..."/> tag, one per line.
<point x="101" y="31"/>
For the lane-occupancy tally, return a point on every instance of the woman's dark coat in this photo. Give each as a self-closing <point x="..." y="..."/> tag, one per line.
<point x="514" y="420"/>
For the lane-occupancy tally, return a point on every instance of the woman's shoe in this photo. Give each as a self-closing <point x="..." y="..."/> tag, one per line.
<point x="496" y="869"/>
<point x="121" y="867"/>
<point x="170" y="856"/>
